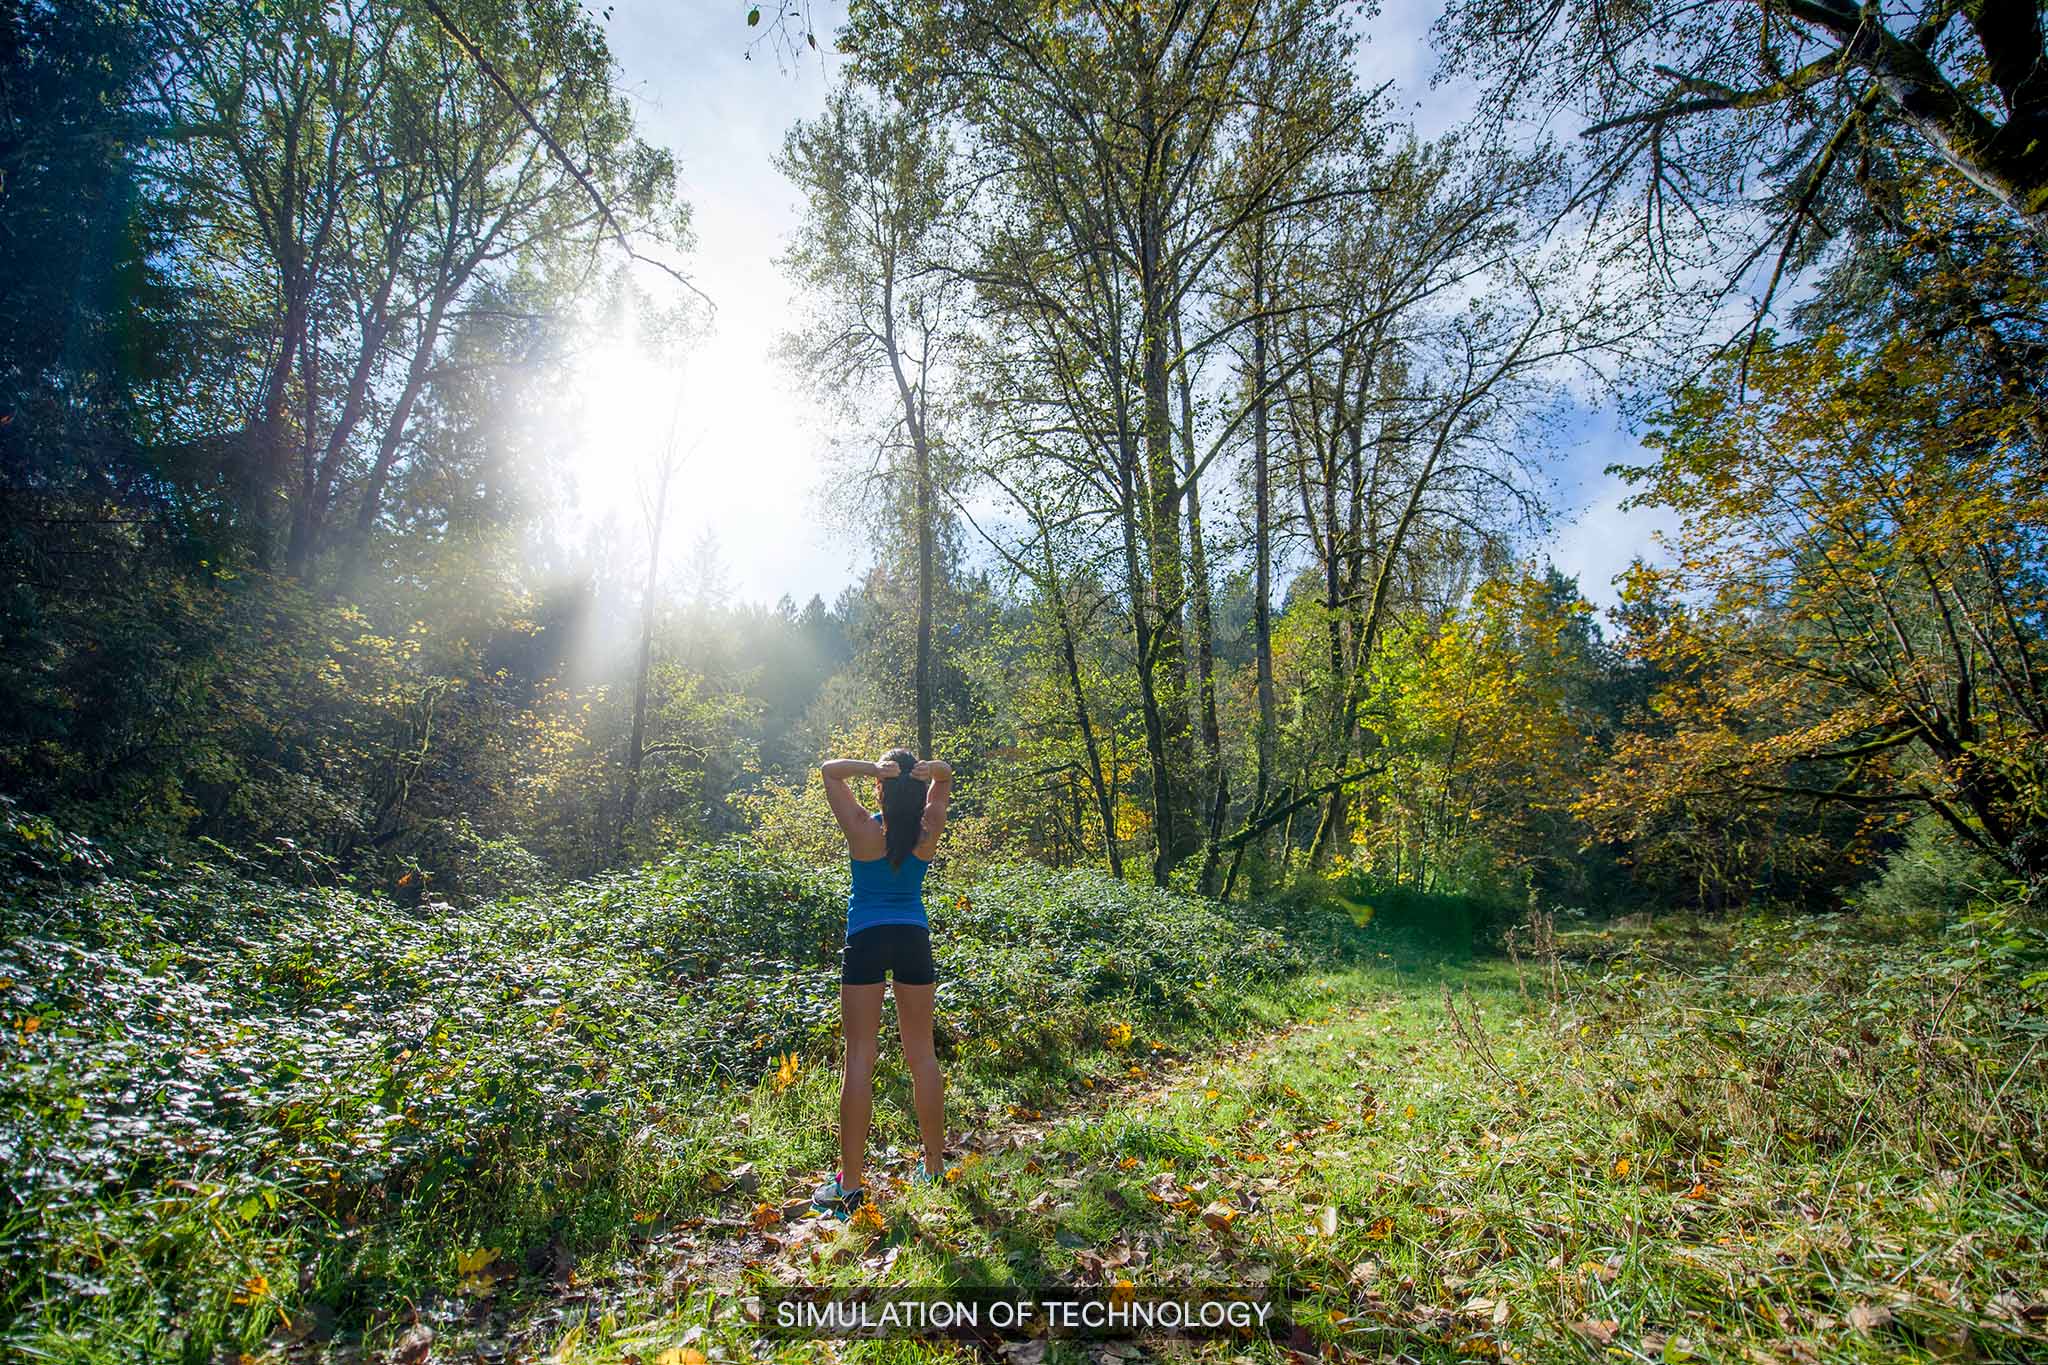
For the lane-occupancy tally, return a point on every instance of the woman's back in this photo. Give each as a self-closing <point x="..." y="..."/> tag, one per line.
<point x="881" y="894"/>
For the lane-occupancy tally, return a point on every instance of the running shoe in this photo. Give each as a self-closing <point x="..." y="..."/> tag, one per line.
<point x="835" y="1199"/>
<point x="923" y="1176"/>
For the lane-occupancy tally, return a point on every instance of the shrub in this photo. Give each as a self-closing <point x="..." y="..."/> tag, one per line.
<point x="1932" y="872"/>
<point x="1463" y="921"/>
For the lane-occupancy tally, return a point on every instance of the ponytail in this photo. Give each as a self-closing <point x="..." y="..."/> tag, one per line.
<point x="902" y="807"/>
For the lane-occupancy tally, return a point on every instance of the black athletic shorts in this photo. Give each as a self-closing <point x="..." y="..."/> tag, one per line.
<point x="904" y="950"/>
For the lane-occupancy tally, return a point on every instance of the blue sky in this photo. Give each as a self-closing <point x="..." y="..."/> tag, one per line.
<point x="754" y="446"/>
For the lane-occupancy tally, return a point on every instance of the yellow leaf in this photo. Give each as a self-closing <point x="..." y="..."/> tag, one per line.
<point x="1219" y="1215"/>
<point x="470" y="1262"/>
<point x="680" y="1355"/>
<point x="868" y="1218"/>
<point x="1621" y="1167"/>
<point x="1382" y="1228"/>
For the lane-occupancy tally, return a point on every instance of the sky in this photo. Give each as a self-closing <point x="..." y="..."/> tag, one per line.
<point x="751" y="444"/>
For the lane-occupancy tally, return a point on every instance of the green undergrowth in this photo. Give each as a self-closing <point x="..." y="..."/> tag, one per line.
<point x="231" y="1108"/>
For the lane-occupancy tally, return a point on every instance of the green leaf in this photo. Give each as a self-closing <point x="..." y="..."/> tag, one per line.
<point x="753" y="16"/>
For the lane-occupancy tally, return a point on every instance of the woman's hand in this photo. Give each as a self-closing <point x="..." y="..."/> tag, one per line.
<point x="931" y="770"/>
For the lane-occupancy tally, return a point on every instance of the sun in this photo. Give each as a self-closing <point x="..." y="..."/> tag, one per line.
<point x="631" y="411"/>
<point x="748" y="459"/>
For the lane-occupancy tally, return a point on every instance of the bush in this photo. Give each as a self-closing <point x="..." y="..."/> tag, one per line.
<point x="1463" y="922"/>
<point x="1932" y="872"/>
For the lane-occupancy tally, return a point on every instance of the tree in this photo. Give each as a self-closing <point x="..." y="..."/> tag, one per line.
<point x="1107" y="130"/>
<point x="1859" y="598"/>
<point x="1695" y="104"/>
<point x="1503" y="719"/>
<point x="654" y="515"/>
<point x="877" y="256"/>
<point x="269" y="432"/>
<point x="1414" y="333"/>
<point x="353" y="178"/>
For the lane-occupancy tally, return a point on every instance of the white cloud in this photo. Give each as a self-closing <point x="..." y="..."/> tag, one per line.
<point x="1598" y="538"/>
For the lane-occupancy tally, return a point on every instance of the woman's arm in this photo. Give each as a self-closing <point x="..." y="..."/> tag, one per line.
<point x="846" y="807"/>
<point x="940" y="774"/>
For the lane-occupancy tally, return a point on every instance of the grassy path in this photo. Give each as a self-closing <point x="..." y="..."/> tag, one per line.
<point x="682" y="1281"/>
<point x="1422" y="1174"/>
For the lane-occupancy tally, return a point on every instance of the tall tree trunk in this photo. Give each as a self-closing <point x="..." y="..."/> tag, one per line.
<point x="1147" y="640"/>
<point x="1177" y="825"/>
<point x="911" y="397"/>
<point x="1104" y="802"/>
<point x="1335" y="813"/>
<point x="1262" y="559"/>
<point x="401" y="413"/>
<point x="1205" y="632"/>
<point x="924" y="594"/>
<point x="636" y="743"/>
<point x="924" y="600"/>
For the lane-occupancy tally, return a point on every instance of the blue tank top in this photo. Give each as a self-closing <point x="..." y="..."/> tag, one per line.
<point x="882" y="894"/>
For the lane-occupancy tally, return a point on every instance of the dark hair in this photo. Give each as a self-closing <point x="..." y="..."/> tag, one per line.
<point x="902" y="807"/>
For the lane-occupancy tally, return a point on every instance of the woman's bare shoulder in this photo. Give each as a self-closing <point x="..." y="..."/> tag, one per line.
<point x="867" y="838"/>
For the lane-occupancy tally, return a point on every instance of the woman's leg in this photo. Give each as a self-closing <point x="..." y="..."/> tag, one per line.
<point x="927" y="1086"/>
<point x="860" y="1017"/>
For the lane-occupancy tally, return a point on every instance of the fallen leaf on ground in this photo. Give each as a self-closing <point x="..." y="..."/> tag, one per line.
<point x="415" y="1346"/>
<point x="1601" y="1332"/>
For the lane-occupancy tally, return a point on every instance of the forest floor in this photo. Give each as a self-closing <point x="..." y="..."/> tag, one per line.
<point x="1754" y="1141"/>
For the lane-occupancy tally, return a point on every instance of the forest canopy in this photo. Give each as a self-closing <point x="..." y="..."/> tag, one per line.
<point x="1222" y="406"/>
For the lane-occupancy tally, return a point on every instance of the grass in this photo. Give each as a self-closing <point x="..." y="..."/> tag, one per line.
<point x="1749" y="1140"/>
<point x="230" y="1108"/>
<point x="1752" y="1141"/>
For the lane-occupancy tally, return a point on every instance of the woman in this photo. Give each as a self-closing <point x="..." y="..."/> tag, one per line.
<point x="887" y="934"/>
